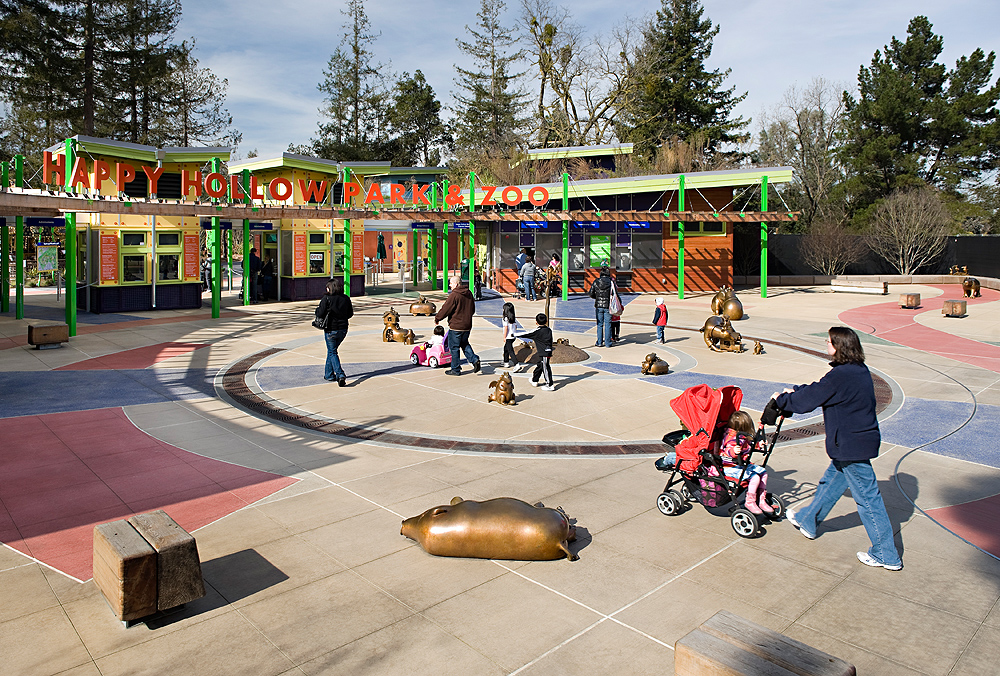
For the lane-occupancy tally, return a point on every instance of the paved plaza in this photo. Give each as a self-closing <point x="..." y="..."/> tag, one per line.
<point x="295" y="489"/>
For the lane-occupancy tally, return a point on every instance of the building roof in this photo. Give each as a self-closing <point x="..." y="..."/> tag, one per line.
<point x="580" y="151"/>
<point x="290" y="160"/>
<point x="136" y="151"/>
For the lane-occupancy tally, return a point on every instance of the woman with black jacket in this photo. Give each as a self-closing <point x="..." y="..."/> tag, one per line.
<point x="336" y="308"/>
<point x="847" y="396"/>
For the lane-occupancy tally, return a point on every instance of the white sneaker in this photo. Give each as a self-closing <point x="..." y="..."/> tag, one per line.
<point x="790" y="515"/>
<point x="548" y="388"/>
<point x="535" y="383"/>
<point x="869" y="560"/>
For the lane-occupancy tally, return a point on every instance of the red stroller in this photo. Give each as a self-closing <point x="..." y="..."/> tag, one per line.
<point x="698" y="467"/>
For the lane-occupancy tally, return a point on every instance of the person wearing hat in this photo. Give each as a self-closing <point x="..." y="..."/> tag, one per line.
<point x="660" y="318"/>
<point x="600" y="291"/>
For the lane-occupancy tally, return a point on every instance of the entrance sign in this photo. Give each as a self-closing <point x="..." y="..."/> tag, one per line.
<point x="357" y="252"/>
<point x="261" y="226"/>
<point x="191" y="260"/>
<point x="34" y="222"/>
<point x="535" y="225"/>
<point x="300" y="261"/>
<point x="109" y="256"/>
<point x="48" y="258"/>
<point x="206" y="224"/>
<point x="464" y="225"/>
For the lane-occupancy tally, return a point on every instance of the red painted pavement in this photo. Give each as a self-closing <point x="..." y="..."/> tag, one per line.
<point x="138" y="358"/>
<point x="975" y="521"/>
<point x="896" y="324"/>
<point x="64" y="473"/>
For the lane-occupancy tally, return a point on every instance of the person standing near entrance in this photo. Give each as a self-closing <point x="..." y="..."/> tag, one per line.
<point x="600" y="291"/>
<point x="458" y="309"/>
<point x="337" y="309"/>
<point x="266" y="277"/>
<point x="847" y="395"/>
<point x="250" y="280"/>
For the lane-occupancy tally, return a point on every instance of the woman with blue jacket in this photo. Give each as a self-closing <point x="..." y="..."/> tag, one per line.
<point x="847" y="395"/>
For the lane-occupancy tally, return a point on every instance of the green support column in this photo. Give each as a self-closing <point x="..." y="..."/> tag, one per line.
<point x="216" y="255"/>
<point x="70" y="244"/>
<point x="763" y="239"/>
<point x="414" y="241"/>
<point x="472" y="231"/>
<point x="680" y="240"/>
<point x="19" y="244"/>
<point x="446" y="278"/>
<point x="565" y="242"/>
<point x="347" y="240"/>
<point x="245" y="181"/>
<point x="434" y="241"/>
<point x="4" y="247"/>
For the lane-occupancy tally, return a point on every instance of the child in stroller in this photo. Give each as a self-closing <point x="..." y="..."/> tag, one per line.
<point x="518" y="289"/>
<point x="699" y="467"/>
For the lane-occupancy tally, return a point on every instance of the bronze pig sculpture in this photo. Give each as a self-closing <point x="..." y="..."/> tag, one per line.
<point x="720" y="336"/>
<point x="721" y="296"/>
<point x="970" y="287"/>
<point x="654" y="366"/>
<point x="726" y="303"/>
<point x="501" y="528"/>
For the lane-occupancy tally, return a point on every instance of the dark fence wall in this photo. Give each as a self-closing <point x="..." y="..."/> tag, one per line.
<point x="980" y="253"/>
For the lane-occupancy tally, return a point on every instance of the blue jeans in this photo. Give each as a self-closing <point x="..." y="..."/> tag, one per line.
<point x="659" y="333"/>
<point x="860" y="478"/>
<point x="603" y="326"/>
<point x="459" y="341"/>
<point x="333" y="370"/>
<point x="529" y="288"/>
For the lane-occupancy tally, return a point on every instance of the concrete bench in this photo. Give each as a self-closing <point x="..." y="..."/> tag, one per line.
<point x="728" y="645"/>
<point x="909" y="300"/>
<point x="860" y="286"/>
<point x="146" y="564"/>
<point x="48" y="335"/>
<point x="954" y="308"/>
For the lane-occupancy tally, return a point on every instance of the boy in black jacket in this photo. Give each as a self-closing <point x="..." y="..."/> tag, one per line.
<point x="543" y="346"/>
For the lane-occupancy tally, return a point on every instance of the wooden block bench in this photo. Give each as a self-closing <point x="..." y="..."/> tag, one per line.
<point x="954" y="308"/>
<point x="146" y="564"/>
<point x="909" y="300"/>
<point x="48" y="335"/>
<point x="860" y="286"/>
<point x="728" y="645"/>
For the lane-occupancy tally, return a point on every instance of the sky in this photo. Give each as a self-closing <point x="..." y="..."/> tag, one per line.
<point x="273" y="54"/>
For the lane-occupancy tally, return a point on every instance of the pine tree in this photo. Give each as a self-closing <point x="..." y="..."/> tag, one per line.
<point x="916" y="122"/>
<point x="415" y="117"/>
<point x="489" y="103"/>
<point x="194" y="111"/>
<point x="678" y="96"/>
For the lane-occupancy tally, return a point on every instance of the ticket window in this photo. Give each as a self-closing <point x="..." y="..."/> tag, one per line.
<point x="169" y="257"/>
<point x="623" y="251"/>
<point x="319" y="254"/>
<point x="134" y="257"/>
<point x="81" y="257"/>
<point x="338" y="253"/>
<point x="600" y="250"/>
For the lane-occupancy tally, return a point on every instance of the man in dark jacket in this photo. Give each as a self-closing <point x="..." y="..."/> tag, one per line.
<point x="458" y="309"/>
<point x="600" y="291"/>
<point x="250" y="280"/>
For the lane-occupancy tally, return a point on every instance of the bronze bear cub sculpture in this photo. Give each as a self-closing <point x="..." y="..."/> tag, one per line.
<point x="654" y="366"/>
<point x="503" y="390"/>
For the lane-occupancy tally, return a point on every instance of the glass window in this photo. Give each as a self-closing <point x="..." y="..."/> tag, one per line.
<point x="133" y="239"/>
<point x="714" y="227"/>
<point x="134" y="268"/>
<point x="623" y="259"/>
<point x="317" y="238"/>
<point x="338" y="262"/>
<point x="647" y="251"/>
<point x="338" y="238"/>
<point x="317" y="262"/>
<point x="271" y="237"/>
<point x="168" y="239"/>
<point x="168" y="267"/>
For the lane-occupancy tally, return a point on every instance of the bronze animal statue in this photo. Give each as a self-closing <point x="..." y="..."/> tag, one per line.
<point x="956" y="270"/>
<point x="422" y="307"/>
<point x="501" y="528"/>
<point x="727" y="304"/>
<point x="392" y="332"/>
<point x="758" y="347"/>
<point x="970" y="287"/>
<point x="720" y="336"/>
<point x="503" y="390"/>
<point x="654" y="366"/>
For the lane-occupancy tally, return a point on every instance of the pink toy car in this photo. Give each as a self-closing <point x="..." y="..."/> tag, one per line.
<point x="426" y="354"/>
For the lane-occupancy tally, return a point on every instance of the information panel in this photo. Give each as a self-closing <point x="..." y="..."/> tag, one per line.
<point x="191" y="261"/>
<point x="109" y="256"/>
<point x="357" y="252"/>
<point x="300" y="254"/>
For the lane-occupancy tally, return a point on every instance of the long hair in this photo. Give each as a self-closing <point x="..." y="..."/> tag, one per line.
<point x="335" y="286"/>
<point x="847" y="345"/>
<point x="508" y="313"/>
<point x="741" y="422"/>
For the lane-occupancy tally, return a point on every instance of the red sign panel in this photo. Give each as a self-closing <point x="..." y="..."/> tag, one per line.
<point x="300" y="254"/>
<point x="191" y="261"/>
<point x="109" y="256"/>
<point x="357" y="252"/>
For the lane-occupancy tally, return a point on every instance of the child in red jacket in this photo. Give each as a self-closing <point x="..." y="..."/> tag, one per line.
<point x="660" y="318"/>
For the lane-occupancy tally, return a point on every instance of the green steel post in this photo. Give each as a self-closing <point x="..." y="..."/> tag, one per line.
<point x="4" y="248"/>
<point x="414" y="240"/>
<point x="216" y="255"/>
<point x="347" y="240"/>
<point x="472" y="230"/>
<point x="565" y="242"/>
<point x="445" y="262"/>
<point x="680" y="240"/>
<point x="229" y="257"/>
<point x="763" y="239"/>
<point x="70" y="245"/>
<point x="434" y="241"/>
<point x="245" y="181"/>
<point x="19" y="244"/>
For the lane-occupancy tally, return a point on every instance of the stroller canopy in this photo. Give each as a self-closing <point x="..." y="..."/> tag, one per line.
<point x="701" y="409"/>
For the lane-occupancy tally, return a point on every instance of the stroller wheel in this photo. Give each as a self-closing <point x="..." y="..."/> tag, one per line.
<point x="745" y="523"/>
<point x="777" y="504"/>
<point x="669" y="503"/>
<point x="686" y="493"/>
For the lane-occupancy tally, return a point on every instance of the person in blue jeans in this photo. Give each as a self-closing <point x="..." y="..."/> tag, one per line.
<point x="459" y="308"/>
<point x="600" y="291"/>
<point x="528" y="277"/>
<point x="847" y="396"/>
<point x="337" y="309"/>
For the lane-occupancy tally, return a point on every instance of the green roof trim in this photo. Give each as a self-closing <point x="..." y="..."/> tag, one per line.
<point x="580" y="151"/>
<point x="287" y="160"/>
